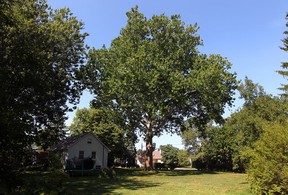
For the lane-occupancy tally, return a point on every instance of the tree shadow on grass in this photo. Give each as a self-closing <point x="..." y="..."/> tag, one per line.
<point x="187" y="172"/>
<point x="96" y="185"/>
<point x="92" y="185"/>
<point x="176" y="172"/>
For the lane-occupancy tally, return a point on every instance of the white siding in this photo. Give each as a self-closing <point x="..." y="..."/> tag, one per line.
<point x="94" y="146"/>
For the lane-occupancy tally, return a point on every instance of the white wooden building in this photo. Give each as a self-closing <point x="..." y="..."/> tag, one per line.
<point x="76" y="149"/>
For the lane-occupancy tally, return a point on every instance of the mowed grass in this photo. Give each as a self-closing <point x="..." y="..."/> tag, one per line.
<point x="131" y="181"/>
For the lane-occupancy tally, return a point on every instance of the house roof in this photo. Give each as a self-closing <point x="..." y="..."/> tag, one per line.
<point x="70" y="141"/>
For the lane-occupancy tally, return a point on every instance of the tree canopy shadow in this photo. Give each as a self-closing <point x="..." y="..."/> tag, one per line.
<point x="186" y="172"/>
<point x="123" y="180"/>
<point x="92" y="185"/>
<point x="176" y="172"/>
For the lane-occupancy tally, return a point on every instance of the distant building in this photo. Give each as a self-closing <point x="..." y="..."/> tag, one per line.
<point x="140" y="158"/>
<point x="157" y="157"/>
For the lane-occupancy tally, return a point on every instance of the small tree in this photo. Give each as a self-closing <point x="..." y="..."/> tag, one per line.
<point x="169" y="155"/>
<point x="218" y="149"/>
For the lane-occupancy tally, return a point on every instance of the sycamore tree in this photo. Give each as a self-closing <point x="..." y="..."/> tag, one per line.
<point x="284" y="65"/>
<point x="41" y="53"/>
<point x="154" y="75"/>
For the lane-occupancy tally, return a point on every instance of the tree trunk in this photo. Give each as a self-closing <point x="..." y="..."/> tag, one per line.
<point x="149" y="146"/>
<point x="149" y="152"/>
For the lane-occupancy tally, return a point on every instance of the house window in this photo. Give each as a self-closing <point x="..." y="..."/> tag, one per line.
<point x="93" y="155"/>
<point x="81" y="154"/>
<point x="89" y="141"/>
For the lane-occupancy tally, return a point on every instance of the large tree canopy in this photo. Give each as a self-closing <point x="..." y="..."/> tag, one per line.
<point x="154" y="75"/>
<point x="41" y="51"/>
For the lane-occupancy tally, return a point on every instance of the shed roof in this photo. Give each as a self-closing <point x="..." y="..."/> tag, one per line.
<point x="70" y="141"/>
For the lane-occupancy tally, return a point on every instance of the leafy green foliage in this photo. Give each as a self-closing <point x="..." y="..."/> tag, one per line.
<point x="154" y="76"/>
<point x="226" y="147"/>
<point x="209" y="149"/>
<point x="284" y="65"/>
<point x="249" y="91"/>
<point x="169" y="155"/>
<point x="41" y="54"/>
<point x="101" y="123"/>
<point x="244" y="127"/>
<point x="183" y="158"/>
<point x="268" y="168"/>
<point x="191" y="137"/>
<point x="247" y="125"/>
<point x="218" y="149"/>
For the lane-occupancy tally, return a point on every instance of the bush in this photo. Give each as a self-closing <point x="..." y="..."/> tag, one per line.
<point x="172" y="166"/>
<point x="54" y="161"/>
<point x="169" y="155"/>
<point x="160" y="166"/>
<point x="98" y="173"/>
<point x="268" y="169"/>
<point x="200" y="163"/>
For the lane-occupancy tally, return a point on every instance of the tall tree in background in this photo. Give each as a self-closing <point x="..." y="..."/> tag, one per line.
<point x="229" y="146"/>
<point x="249" y="91"/>
<point x="247" y="124"/>
<point x="41" y="52"/>
<point x="193" y="139"/>
<point x="209" y="148"/>
<point x="154" y="75"/>
<point x="284" y="65"/>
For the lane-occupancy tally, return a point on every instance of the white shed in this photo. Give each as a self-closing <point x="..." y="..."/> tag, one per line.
<point x="76" y="149"/>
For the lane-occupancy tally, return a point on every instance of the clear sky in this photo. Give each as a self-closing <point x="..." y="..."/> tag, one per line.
<point x="247" y="32"/>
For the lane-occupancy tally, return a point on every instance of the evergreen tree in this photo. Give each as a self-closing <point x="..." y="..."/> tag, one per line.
<point x="284" y="65"/>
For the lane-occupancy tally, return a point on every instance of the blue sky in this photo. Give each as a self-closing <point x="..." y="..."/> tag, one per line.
<point x="247" y="32"/>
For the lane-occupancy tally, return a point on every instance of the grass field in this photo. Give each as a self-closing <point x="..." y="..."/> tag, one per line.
<point x="130" y="181"/>
<point x="133" y="181"/>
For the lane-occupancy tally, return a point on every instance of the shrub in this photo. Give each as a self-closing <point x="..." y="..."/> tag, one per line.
<point x="268" y="169"/>
<point x="169" y="155"/>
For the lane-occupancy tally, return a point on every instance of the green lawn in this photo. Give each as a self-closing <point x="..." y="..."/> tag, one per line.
<point x="130" y="181"/>
<point x="133" y="181"/>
